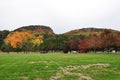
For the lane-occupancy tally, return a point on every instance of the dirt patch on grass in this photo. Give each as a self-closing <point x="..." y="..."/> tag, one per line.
<point x="57" y="76"/>
<point x="32" y="62"/>
<point x="38" y="79"/>
<point x="67" y="71"/>
<point x="24" y="78"/>
<point x="99" y="65"/>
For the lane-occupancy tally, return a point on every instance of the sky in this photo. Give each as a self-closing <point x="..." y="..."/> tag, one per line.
<point x="60" y="15"/>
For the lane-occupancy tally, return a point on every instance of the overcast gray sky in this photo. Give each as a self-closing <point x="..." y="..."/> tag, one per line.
<point x="60" y="15"/>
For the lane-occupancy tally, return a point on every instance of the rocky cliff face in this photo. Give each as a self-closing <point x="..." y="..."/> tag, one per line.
<point x="36" y="29"/>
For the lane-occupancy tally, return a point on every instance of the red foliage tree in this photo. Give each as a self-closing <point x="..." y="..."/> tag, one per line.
<point x="84" y="45"/>
<point x="95" y="42"/>
<point x="72" y="44"/>
<point x="108" y="39"/>
<point x="117" y="39"/>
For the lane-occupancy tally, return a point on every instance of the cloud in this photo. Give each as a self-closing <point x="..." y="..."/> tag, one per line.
<point x="60" y="15"/>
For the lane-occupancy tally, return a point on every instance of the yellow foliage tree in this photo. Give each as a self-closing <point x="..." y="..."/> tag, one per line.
<point x="37" y="40"/>
<point x="16" y="39"/>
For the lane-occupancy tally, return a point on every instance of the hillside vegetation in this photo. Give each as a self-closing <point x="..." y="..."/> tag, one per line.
<point x="87" y="31"/>
<point x="42" y="38"/>
<point x="36" y="29"/>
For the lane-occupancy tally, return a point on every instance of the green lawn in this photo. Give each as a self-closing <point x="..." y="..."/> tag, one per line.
<point x="59" y="66"/>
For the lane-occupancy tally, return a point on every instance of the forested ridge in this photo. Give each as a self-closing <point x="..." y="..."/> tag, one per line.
<point x="43" y="39"/>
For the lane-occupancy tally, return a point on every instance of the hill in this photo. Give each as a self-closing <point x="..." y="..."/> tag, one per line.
<point x="86" y="31"/>
<point x="36" y="29"/>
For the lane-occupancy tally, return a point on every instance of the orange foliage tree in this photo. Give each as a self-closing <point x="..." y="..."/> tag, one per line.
<point x="16" y="39"/>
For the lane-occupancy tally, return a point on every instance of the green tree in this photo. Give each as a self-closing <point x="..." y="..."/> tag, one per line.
<point x="3" y="35"/>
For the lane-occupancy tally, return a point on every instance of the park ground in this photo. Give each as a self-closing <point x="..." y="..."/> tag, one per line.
<point x="59" y="66"/>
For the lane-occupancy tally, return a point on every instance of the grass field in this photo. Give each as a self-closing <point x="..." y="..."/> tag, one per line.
<point x="60" y="66"/>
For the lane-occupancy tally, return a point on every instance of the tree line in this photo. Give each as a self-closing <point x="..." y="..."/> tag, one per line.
<point x="107" y="41"/>
<point x="27" y="42"/>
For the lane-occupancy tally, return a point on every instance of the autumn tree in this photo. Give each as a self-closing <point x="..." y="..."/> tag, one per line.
<point x="108" y="39"/>
<point x="72" y="44"/>
<point x="32" y="42"/>
<point x="15" y="39"/>
<point x="117" y="38"/>
<point x="84" y="45"/>
<point x="95" y="42"/>
<point x="22" y="39"/>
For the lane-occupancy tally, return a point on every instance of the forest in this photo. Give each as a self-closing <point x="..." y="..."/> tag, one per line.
<point x="24" y="41"/>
